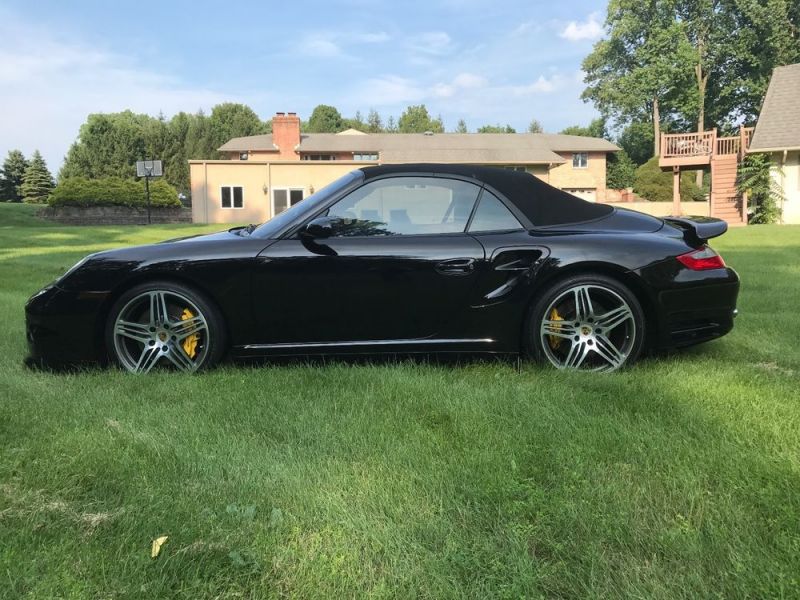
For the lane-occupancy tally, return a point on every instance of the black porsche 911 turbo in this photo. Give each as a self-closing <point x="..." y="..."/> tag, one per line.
<point x="400" y="259"/>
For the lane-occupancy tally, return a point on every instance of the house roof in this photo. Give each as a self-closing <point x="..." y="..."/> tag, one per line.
<point x="453" y="147"/>
<point x="778" y="126"/>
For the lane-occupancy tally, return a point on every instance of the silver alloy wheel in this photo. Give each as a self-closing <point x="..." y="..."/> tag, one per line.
<point x="151" y="329"/>
<point x="589" y="327"/>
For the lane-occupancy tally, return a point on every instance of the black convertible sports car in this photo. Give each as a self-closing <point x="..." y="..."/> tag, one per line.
<point x="400" y="259"/>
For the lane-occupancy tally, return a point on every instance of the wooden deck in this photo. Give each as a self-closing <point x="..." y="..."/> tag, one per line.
<point x="722" y="154"/>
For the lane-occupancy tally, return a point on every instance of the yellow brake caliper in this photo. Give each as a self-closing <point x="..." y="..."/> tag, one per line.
<point x="554" y="340"/>
<point x="190" y="343"/>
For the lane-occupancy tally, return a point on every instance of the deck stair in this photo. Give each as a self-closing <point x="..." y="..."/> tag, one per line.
<point x="723" y="154"/>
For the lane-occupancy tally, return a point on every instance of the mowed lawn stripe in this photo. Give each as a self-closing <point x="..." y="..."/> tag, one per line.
<point x="677" y="478"/>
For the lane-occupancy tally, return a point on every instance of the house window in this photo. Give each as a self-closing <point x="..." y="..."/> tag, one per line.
<point x="283" y="198"/>
<point x="580" y="160"/>
<point x="365" y="156"/>
<point x="232" y="196"/>
<point x="244" y="155"/>
<point x="318" y="157"/>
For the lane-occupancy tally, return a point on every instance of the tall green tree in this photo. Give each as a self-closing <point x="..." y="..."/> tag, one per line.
<point x="37" y="183"/>
<point x="461" y="127"/>
<point x="11" y="176"/>
<point x="642" y="69"/>
<point x="374" y="122"/>
<point x="325" y="119"/>
<point x="496" y="129"/>
<point x="637" y="141"/>
<point x="597" y="128"/>
<point x="535" y="127"/>
<point x="391" y="125"/>
<point x="108" y="145"/>
<point x="230" y="120"/>
<point x="416" y="119"/>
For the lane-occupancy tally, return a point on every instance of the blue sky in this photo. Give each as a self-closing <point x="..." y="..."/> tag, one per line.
<point x="485" y="62"/>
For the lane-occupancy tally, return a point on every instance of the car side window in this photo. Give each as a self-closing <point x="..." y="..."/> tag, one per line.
<point x="492" y="215"/>
<point x="405" y="206"/>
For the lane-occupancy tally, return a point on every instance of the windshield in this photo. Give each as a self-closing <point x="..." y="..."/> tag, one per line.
<point x="277" y="224"/>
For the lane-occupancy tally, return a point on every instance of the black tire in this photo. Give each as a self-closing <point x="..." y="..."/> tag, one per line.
<point x="203" y="321"/>
<point x="578" y="335"/>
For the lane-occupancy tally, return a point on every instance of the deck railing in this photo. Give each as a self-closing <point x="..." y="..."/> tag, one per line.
<point x="728" y="145"/>
<point x="685" y="145"/>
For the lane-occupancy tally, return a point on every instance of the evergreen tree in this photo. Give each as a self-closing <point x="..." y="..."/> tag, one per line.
<point x="462" y="126"/>
<point x="37" y="183"/>
<point x="496" y="129"/>
<point x="325" y="119"/>
<point x="391" y="126"/>
<point x="374" y="123"/>
<point x="416" y="119"/>
<point x="535" y="127"/>
<point x="11" y="176"/>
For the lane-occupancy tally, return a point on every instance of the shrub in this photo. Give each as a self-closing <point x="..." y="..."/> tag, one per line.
<point x="764" y="192"/>
<point x="655" y="185"/>
<point x="112" y="191"/>
<point x="620" y="171"/>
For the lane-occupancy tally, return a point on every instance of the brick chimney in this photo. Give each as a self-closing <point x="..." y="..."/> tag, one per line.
<point x="286" y="134"/>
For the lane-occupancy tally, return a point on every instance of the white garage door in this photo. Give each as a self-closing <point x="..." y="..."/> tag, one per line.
<point x="589" y="194"/>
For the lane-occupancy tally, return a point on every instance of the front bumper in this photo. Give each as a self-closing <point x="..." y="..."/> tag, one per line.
<point x="65" y="327"/>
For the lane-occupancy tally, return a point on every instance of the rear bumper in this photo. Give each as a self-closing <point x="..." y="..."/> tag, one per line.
<point x="695" y="307"/>
<point x="64" y="328"/>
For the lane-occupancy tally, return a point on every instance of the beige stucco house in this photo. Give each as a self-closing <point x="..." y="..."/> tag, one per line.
<point x="778" y="134"/>
<point x="264" y="174"/>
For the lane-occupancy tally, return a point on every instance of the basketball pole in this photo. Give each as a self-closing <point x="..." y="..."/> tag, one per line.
<point x="147" y="189"/>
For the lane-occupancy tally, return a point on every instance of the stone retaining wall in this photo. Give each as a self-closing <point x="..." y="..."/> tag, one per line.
<point x="114" y="215"/>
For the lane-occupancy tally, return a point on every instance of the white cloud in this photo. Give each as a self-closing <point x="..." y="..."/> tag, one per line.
<point x="320" y="46"/>
<point x="388" y="90"/>
<point x="462" y="81"/>
<point x="542" y="85"/>
<point x="372" y="38"/>
<point x="431" y="42"/>
<point x="591" y="29"/>
<point x="49" y="85"/>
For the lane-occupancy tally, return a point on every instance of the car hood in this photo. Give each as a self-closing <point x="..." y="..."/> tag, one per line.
<point x="206" y="237"/>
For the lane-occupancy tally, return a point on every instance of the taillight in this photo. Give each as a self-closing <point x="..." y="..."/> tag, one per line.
<point x="702" y="259"/>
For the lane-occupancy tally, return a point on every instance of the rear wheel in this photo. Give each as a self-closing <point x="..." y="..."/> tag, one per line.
<point x="587" y="322"/>
<point x="164" y="324"/>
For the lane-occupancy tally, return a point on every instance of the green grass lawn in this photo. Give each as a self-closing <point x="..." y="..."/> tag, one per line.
<point x="677" y="478"/>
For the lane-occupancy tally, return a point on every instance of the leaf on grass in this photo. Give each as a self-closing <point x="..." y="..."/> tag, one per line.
<point x="156" y="547"/>
<point x="275" y="517"/>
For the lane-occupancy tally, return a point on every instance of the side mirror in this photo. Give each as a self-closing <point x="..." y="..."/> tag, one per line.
<point x="321" y="227"/>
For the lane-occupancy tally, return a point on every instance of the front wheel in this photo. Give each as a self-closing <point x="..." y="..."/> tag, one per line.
<point x="587" y="322"/>
<point x="164" y="324"/>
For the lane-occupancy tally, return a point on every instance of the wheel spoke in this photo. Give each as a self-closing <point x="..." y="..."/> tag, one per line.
<point x="559" y="328"/>
<point x="608" y="351"/>
<point x="158" y="308"/>
<point x="148" y="359"/>
<point x="577" y="353"/>
<point x="177" y="355"/>
<point x="583" y="303"/>
<point x="614" y="317"/>
<point x="187" y="327"/>
<point x="139" y="332"/>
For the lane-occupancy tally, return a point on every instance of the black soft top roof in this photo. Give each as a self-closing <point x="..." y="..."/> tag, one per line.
<point x="543" y="204"/>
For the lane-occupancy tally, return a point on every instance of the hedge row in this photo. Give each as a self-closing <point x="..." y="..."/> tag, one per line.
<point x="112" y="191"/>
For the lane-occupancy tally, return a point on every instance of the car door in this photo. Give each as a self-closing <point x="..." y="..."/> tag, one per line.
<point x="398" y="266"/>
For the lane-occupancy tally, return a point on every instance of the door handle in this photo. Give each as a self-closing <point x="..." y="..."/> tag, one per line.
<point x="456" y="266"/>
